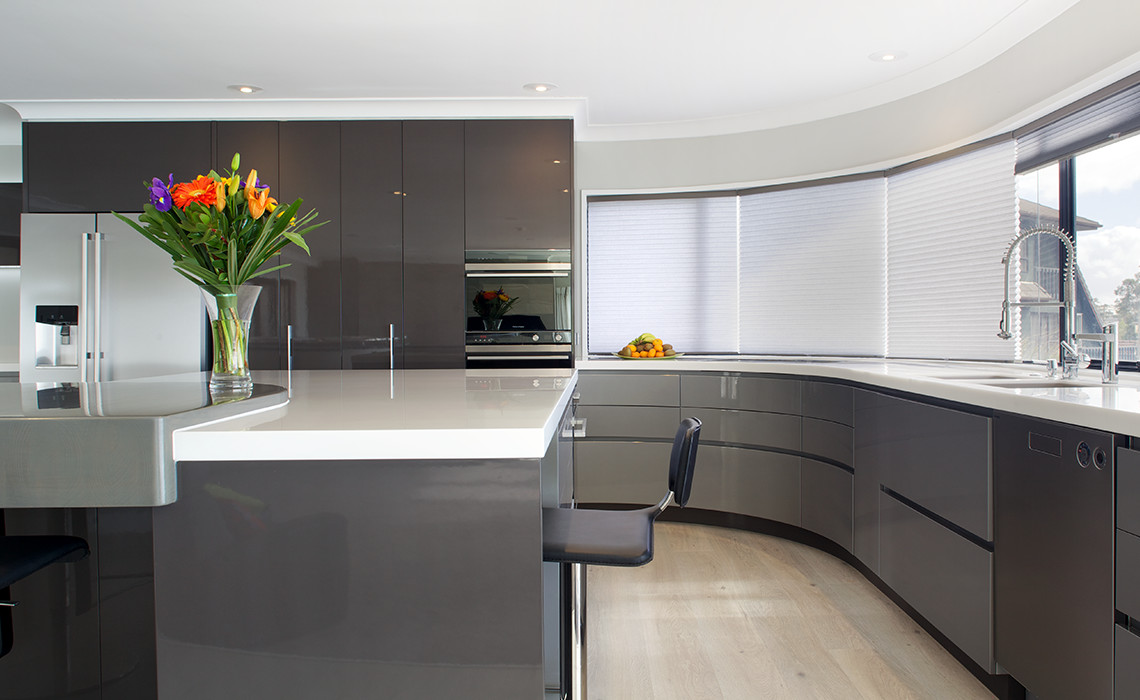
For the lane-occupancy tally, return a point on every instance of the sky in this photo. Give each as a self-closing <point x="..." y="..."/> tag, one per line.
<point x="1108" y="192"/>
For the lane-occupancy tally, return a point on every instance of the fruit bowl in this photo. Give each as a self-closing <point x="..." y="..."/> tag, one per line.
<point x="649" y="359"/>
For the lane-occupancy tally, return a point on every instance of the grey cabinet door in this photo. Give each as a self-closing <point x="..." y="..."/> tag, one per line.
<point x="92" y="167"/>
<point x="948" y="579"/>
<point x="628" y="388"/>
<point x="750" y="482"/>
<point x="518" y="183"/>
<point x="825" y="501"/>
<point x="621" y="472"/>
<point x="310" y="286"/>
<point x="746" y="393"/>
<point x="371" y="265"/>
<point x="434" y="304"/>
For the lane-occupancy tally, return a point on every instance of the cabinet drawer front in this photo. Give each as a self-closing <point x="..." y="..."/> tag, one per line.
<point x="1127" y="665"/>
<point x="1128" y="490"/>
<point x="945" y="577"/>
<point x="628" y="389"/>
<point x="831" y="402"/>
<point x="825" y="495"/>
<point x="777" y="430"/>
<point x="831" y="440"/>
<point x="1128" y="573"/>
<point x="621" y="472"/>
<point x="747" y="393"/>
<point x="937" y="457"/>
<point x="630" y="421"/>
<point x="749" y="482"/>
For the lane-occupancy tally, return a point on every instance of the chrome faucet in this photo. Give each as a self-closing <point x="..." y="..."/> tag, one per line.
<point x="1072" y="359"/>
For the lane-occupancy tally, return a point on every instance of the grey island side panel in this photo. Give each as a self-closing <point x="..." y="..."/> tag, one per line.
<point x="302" y="579"/>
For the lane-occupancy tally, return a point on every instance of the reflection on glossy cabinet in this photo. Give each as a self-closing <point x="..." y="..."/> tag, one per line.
<point x="518" y="182"/>
<point x="310" y="286"/>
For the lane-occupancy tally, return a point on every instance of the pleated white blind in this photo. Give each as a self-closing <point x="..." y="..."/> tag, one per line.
<point x="948" y="224"/>
<point x="662" y="266"/>
<point x="813" y="270"/>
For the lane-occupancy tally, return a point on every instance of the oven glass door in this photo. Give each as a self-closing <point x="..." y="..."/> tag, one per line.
<point x="543" y="298"/>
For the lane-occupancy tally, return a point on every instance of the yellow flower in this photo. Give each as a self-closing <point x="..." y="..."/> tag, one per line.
<point x="270" y="205"/>
<point x="250" y="184"/>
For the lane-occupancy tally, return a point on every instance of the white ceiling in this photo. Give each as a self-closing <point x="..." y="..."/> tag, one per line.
<point x="626" y="68"/>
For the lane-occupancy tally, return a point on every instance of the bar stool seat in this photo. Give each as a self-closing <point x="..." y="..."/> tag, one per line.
<point x="22" y="556"/>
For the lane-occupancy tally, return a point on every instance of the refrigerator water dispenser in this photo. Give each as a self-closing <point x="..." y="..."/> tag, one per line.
<point x="57" y="336"/>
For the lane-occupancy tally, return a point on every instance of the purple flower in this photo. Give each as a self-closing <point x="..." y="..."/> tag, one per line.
<point x="160" y="194"/>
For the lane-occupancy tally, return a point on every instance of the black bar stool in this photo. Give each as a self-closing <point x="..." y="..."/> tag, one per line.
<point x="578" y="536"/>
<point x="23" y="555"/>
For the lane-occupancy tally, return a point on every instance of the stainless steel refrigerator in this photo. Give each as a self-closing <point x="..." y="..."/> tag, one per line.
<point x="98" y="302"/>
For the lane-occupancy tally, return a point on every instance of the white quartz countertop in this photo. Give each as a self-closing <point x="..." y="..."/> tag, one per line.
<point x="401" y="414"/>
<point x="1014" y="388"/>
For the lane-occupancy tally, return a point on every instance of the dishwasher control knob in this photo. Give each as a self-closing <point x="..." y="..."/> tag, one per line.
<point x="1084" y="454"/>
<point x="534" y="337"/>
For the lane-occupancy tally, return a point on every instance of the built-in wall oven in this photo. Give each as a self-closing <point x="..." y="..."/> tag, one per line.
<point x="536" y="330"/>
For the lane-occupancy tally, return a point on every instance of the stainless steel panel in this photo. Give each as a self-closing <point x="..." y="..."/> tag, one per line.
<point x="740" y="392"/>
<point x="831" y="440"/>
<point x="947" y="578"/>
<point x="152" y="320"/>
<point x="628" y="389"/>
<point x="825" y="501"/>
<point x="631" y="421"/>
<point x="1128" y="573"/>
<point x="1053" y="591"/>
<point x="621" y="472"/>
<point x="1127" y="675"/>
<point x="51" y="271"/>
<point x="755" y="428"/>
<point x="934" y="456"/>
<point x="1128" y="490"/>
<point x="301" y="580"/>
<point x="831" y="402"/>
<point x="749" y="482"/>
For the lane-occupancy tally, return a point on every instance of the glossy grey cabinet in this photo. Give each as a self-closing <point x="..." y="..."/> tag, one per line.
<point x="87" y="167"/>
<point x="85" y="629"/>
<point x="519" y="179"/>
<point x="772" y="395"/>
<point x="658" y="422"/>
<point x="825" y="500"/>
<point x="371" y="256"/>
<point x="946" y="578"/>
<point x="750" y="428"/>
<point x="310" y="286"/>
<point x="750" y="482"/>
<point x="629" y="389"/>
<point x="435" y="310"/>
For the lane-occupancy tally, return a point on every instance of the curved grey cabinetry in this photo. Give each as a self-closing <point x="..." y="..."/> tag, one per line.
<point x="903" y="486"/>
<point x="772" y="448"/>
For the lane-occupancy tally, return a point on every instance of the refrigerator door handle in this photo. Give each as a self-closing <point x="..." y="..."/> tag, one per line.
<point x="97" y="307"/>
<point x="83" y="354"/>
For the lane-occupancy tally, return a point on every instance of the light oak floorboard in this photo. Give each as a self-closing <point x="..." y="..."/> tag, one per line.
<point x="722" y="613"/>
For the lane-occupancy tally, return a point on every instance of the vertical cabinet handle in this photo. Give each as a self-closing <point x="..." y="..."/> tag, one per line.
<point x="391" y="346"/>
<point x="96" y="319"/>
<point x="289" y="347"/>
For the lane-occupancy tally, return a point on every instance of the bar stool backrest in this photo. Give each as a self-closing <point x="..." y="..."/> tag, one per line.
<point x="682" y="460"/>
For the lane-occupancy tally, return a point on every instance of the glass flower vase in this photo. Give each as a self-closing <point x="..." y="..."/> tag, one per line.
<point x="230" y="315"/>
<point x="492" y="324"/>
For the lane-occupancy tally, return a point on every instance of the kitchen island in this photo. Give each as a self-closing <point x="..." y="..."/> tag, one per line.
<point x="377" y="536"/>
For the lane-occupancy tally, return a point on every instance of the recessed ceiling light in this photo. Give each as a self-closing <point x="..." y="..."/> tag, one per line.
<point x="539" y="87"/>
<point x="887" y="56"/>
<point x="245" y="89"/>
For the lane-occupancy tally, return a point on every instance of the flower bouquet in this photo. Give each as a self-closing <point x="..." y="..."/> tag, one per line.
<point x="222" y="232"/>
<point x="491" y="306"/>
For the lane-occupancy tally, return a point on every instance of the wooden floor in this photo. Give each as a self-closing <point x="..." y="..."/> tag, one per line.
<point x="722" y="613"/>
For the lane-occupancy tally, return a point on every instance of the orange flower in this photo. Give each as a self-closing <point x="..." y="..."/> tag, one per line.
<point x="201" y="190"/>
<point x="257" y="201"/>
